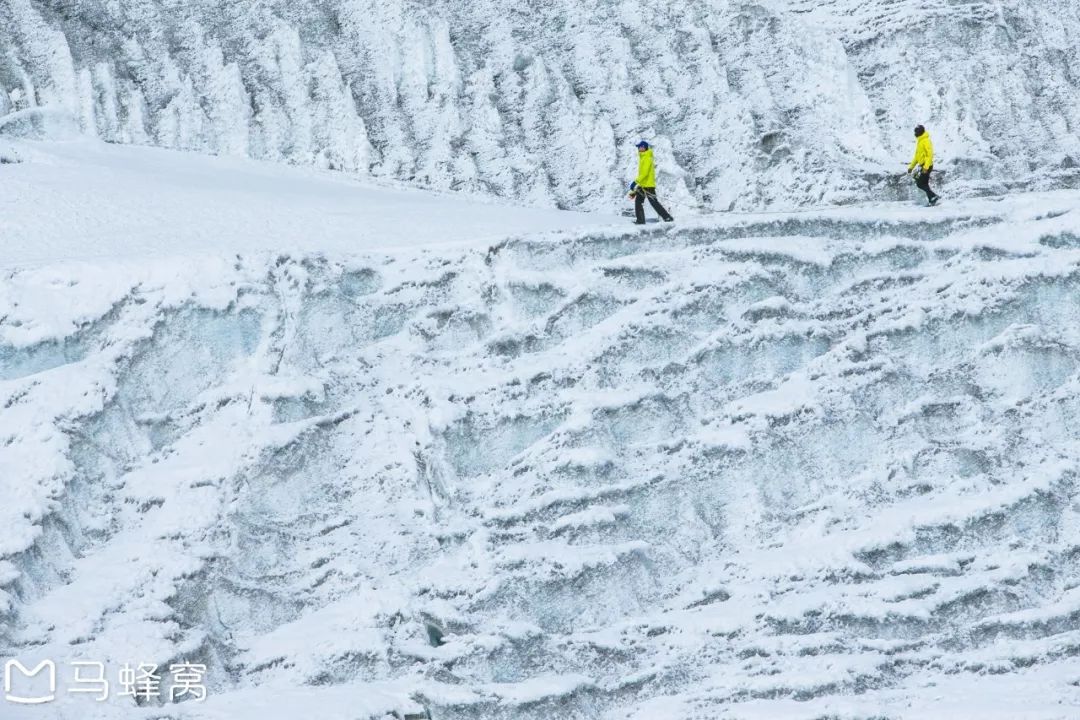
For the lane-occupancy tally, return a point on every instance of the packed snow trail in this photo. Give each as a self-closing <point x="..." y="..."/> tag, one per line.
<point x="750" y="466"/>
<point x="87" y="200"/>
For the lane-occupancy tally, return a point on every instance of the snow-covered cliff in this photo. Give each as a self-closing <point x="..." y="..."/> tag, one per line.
<point x="804" y="465"/>
<point x="784" y="102"/>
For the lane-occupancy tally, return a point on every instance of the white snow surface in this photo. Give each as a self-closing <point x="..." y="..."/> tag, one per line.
<point x="774" y="102"/>
<point x="85" y="199"/>
<point x="365" y="460"/>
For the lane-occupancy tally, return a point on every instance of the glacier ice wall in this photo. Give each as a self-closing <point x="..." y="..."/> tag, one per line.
<point x="808" y="465"/>
<point x="748" y="103"/>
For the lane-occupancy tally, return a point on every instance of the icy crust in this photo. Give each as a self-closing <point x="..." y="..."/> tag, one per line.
<point x="792" y="466"/>
<point x="749" y="104"/>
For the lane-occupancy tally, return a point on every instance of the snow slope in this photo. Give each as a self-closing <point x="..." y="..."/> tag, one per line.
<point x="778" y="102"/>
<point x="83" y="199"/>
<point x="801" y="465"/>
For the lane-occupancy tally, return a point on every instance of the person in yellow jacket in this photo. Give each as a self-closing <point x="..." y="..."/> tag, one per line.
<point x="923" y="163"/>
<point x="645" y="186"/>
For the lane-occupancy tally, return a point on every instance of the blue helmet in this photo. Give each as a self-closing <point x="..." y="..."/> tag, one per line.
<point x="642" y="145"/>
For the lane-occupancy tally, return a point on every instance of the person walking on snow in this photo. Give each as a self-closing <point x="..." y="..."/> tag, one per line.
<point x="923" y="163"/>
<point x="645" y="186"/>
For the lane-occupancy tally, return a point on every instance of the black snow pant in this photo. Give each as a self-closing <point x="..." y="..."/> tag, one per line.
<point x="639" y="204"/>
<point x="923" y="183"/>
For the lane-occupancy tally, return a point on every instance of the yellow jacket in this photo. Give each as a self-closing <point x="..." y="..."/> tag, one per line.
<point x="646" y="171"/>
<point x="924" y="153"/>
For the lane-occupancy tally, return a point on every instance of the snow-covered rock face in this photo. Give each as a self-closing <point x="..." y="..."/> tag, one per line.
<point x="814" y="465"/>
<point x="785" y="102"/>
